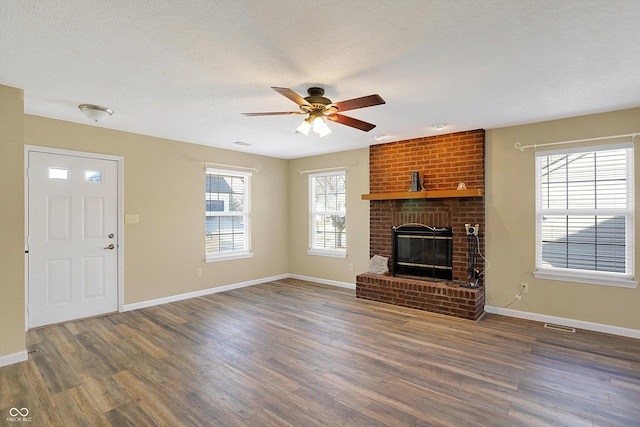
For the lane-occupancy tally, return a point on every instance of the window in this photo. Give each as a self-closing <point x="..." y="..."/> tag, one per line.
<point x="58" y="173"/>
<point x="328" y="214"/>
<point x="584" y="215"/>
<point x="92" y="176"/>
<point x="227" y="215"/>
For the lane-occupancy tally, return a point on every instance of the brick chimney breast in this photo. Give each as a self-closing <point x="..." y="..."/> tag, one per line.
<point x="443" y="161"/>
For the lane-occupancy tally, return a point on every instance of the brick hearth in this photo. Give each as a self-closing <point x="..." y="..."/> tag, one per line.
<point x="436" y="297"/>
<point x="443" y="161"/>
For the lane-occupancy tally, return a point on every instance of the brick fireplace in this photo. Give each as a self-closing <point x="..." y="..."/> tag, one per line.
<point x="443" y="161"/>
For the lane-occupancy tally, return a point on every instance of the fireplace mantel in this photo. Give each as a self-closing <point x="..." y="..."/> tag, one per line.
<point x="438" y="194"/>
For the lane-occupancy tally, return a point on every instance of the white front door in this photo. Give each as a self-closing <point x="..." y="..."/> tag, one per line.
<point x="72" y="237"/>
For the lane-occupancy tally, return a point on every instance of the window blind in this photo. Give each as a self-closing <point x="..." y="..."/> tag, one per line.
<point x="585" y="210"/>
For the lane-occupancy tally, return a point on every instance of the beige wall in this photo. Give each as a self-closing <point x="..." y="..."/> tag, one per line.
<point x="328" y="268"/>
<point x="12" y="258"/>
<point x="164" y="185"/>
<point x="510" y="203"/>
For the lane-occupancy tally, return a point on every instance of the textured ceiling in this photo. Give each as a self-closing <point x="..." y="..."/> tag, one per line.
<point x="186" y="70"/>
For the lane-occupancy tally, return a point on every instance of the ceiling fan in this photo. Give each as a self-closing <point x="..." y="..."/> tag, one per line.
<point x="320" y="108"/>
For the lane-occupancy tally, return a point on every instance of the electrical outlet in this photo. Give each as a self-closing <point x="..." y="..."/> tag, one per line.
<point x="198" y="272"/>
<point x="471" y="230"/>
<point x="351" y="266"/>
<point x="524" y="288"/>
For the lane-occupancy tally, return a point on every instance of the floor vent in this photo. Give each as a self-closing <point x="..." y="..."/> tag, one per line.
<point x="560" y="328"/>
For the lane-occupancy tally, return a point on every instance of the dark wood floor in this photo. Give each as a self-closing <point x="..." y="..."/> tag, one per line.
<point x="291" y="353"/>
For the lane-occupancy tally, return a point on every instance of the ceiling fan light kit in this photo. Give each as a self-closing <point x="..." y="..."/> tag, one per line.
<point x="304" y="127"/>
<point x="319" y="108"/>
<point x="320" y="127"/>
<point x="314" y="122"/>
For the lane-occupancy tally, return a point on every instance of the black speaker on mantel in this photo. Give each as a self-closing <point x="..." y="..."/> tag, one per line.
<point x="415" y="181"/>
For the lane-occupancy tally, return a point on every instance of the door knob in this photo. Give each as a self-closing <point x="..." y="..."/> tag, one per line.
<point x="111" y="246"/>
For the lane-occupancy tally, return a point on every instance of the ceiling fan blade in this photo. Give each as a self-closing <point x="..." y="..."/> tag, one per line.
<point x="365" y="101"/>
<point x="291" y="95"/>
<point x="274" y="113"/>
<point x="350" y="121"/>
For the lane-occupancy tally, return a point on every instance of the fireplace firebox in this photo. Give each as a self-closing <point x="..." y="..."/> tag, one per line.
<point x="423" y="252"/>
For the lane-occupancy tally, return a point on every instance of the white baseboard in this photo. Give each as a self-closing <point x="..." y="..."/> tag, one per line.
<point x="180" y="297"/>
<point x="10" y="359"/>
<point x="578" y="324"/>
<point x="323" y="281"/>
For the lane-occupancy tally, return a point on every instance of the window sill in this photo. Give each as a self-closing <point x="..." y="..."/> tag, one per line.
<point x="327" y="252"/>
<point x="591" y="279"/>
<point x="228" y="256"/>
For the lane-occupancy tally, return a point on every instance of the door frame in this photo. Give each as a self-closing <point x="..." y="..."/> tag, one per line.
<point x="119" y="209"/>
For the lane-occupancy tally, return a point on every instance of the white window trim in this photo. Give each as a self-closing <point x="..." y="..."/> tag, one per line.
<point x="245" y="253"/>
<point x="335" y="253"/>
<point x="226" y="256"/>
<point x="578" y="276"/>
<point x="582" y="276"/>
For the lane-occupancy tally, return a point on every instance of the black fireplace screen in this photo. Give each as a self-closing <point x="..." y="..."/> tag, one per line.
<point x="422" y="251"/>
